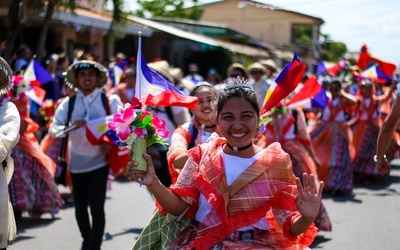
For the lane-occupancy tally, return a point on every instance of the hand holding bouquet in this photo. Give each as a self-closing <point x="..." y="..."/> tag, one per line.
<point x="138" y="129"/>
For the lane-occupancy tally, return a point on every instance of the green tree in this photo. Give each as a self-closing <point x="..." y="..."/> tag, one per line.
<point x="50" y="7"/>
<point x="117" y="23"/>
<point x="169" y="8"/>
<point x="332" y="51"/>
<point x="302" y="34"/>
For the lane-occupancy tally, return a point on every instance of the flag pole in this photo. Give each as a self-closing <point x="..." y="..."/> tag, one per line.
<point x="139" y="67"/>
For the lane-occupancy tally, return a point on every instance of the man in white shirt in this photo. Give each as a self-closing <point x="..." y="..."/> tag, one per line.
<point x="87" y="163"/>
<point x="260" y="84"/>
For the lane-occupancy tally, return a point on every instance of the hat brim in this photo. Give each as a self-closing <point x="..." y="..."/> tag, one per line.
<point x="6" y="77"/>
<point x="271" y="67"/>
<point x="102" y="76"/>
<point x="161" y="71"/>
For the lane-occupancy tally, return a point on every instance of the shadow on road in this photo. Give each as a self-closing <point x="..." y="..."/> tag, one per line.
<point x="27" y="223"/>
<point x="137" y="231"/>
<point x="341" y="197"/>
<point x="319" y="240"/>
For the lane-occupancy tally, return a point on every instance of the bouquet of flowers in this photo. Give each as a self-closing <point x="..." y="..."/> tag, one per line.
<point x="138" y="129"/>
<point x="19" y="87"/>
<point x="47" y="109"/>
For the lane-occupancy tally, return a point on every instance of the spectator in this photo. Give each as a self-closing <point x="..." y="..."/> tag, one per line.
<point x="9" y="136"/>
<point x="193" y="75"/>
<point x="87" y="163"/>
<point x="260" y="84"/>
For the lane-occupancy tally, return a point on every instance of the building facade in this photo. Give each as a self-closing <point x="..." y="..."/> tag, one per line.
<point x="269" y="24"/>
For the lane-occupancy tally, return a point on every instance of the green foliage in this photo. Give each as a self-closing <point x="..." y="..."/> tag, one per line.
<point x="302" y="34"/>
<point x="169" y="8"/>
<point x="144" y="120"/>
<point x="333" y="51"/>
<point x="119" y="23"/>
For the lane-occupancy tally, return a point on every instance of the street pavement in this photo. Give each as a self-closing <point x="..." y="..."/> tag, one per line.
<point x="368" y="219"/>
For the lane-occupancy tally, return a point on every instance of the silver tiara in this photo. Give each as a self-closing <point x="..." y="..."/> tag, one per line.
<point x="6" y="77"/>
<point x="238" y="82"/>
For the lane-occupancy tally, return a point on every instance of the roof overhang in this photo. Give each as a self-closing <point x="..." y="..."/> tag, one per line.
<point x="233" y="47"/>
<point x="83" y="18"/>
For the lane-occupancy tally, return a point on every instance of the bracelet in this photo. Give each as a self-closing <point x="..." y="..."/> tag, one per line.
<point x="380" y="160"/>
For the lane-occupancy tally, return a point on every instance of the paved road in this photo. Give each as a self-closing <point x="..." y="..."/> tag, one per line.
<point x="369" y="220"/>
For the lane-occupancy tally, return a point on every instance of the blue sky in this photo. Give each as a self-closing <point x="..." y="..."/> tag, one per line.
<point x="354" y="22"/>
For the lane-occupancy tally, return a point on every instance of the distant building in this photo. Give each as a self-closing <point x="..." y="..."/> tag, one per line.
<point x="269" y="25"/>
<point x="84" y="29"/>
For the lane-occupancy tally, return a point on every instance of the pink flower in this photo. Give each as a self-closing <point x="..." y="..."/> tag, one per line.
<point x="128" y="126"/>
<point x="162" y="133"/>
<point x="159" y="125"/>
<point x="16" y="79"/>
<point x="140" y="132"/>
<point x="122" y="121"/>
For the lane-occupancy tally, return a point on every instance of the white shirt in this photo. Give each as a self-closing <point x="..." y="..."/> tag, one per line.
<point x="261" y="88"/>
<point x="83" y="156"/>
<point x="364" y="114"/>
<point x="9" y="136"/>
<point x="340" y="116"/>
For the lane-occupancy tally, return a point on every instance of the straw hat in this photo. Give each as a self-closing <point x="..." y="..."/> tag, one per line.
<point x="236" y="66"/>
<point x="85" y="64"/>
<point x="78" y="53"/>
<point x="176" y="73"/>
<point x="6" y="74"/>
<point x="161" y="67"/>
<point x="269" y="63"/>
<point x="256" y="67"/>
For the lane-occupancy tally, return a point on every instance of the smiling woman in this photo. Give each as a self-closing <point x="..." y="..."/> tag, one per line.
<point x="194" y="132"/>
<point x="243" y="198"/>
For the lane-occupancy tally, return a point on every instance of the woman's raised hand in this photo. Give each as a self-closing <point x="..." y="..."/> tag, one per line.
<point x="308" y="199"/>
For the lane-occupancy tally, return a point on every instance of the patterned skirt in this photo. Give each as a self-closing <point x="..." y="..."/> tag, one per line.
<point x="332" y="145"/>
<point x="367" y="136"/>
<point x="32" y="187"/>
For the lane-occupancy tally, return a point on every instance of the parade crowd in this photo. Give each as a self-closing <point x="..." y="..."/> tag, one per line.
<point x="230" y="174"/>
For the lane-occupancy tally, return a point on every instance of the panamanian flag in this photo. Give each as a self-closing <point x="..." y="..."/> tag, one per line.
<point x="154" y="90"/>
